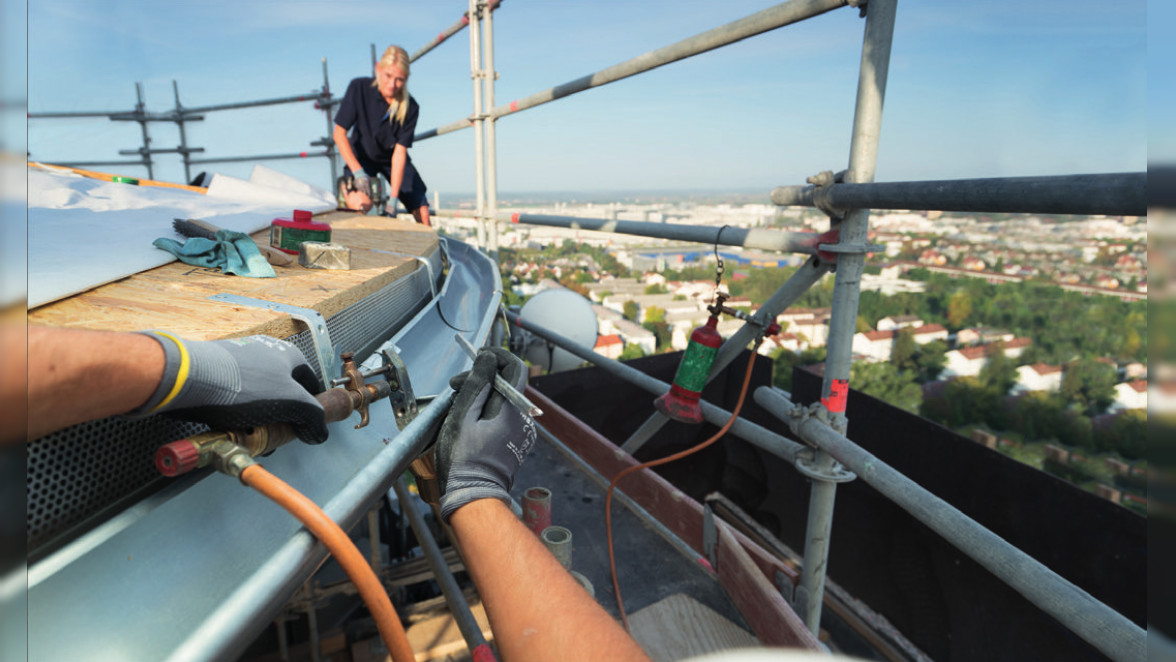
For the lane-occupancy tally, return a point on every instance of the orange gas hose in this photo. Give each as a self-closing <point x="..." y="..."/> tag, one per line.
<point x="612" y="563"/>
<point x="344" y="551"/>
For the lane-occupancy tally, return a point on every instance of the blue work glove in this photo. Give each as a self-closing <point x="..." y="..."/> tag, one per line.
<point x="237" y="384"/>
<point x="485" y="438"/>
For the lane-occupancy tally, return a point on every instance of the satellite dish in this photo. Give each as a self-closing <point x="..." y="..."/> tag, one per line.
<point x="563" y="312"/>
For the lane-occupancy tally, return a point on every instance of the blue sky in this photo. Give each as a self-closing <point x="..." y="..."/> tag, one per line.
<point x="997" y="88"/>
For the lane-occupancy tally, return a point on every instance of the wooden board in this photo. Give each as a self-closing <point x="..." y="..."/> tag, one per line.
<point x="680" y="627"/>
<point x="175" y="296"/>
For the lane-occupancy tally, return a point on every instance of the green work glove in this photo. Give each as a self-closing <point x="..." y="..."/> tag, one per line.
<point x="237" y="384"/>
<point x="485" y="438"/>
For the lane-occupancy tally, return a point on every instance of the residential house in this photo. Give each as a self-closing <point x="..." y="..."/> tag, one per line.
<point x="812" y="332"/>
<point x="874" y="345"/>
<point x="635" y="334"/>
<point x="968" y="361"/>
<point x="929" y="333"/>
<point x="609" y="345"/>
<point x="1130" y="395"/>
<point x="899" y="322"/>
<point x="1038" y="377"/>
<point x="982" y="334"/>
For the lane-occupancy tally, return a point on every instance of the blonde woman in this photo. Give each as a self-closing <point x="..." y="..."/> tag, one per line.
<point x="382" y="117"/>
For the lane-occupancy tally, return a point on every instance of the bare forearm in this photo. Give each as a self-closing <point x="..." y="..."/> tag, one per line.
<point x="344" y="146"/>
<point x="537" y="610"/>
<point x="79" y="375"/>
<point x="399" y="158"/>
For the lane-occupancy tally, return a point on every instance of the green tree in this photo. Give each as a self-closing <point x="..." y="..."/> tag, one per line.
<point x="959" y="309"/>
<point x="662" y="331"/>
<point x="656" y="288"/>
<point x="886" y="382"/>
<point x="1089" y="385"/>
<point x="902" y="355"/>
<point x="632" y="351"/>
<point x="655" y="314"/>
<point x="999" y="373"/>
<point x="631" y="311"/>
<point x="930" y="359"/>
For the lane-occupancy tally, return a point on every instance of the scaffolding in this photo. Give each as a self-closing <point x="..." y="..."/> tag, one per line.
<point x="827" y="456"/>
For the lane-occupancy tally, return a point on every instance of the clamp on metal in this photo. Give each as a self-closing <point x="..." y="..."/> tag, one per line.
<point x="806" y="463"/>
<point x="766" y="328"/>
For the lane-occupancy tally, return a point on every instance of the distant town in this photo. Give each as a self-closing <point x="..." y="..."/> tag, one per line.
<point x="1026" y="333"/>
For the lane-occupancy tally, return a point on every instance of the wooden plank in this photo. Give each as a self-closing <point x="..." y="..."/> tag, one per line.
<point x="680" y="627"/>
<point x="749" y="573"/>
<point x="175" y="296"/>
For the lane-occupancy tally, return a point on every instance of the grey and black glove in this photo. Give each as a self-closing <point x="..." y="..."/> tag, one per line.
<point x="237" y="384"/>
<point x="484" y="439"/>
<point x="362" y="183"/>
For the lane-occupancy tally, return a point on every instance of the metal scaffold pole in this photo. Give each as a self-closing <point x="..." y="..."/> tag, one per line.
<point x="478" y="122"/>
<point x="863" y="158"/>
<point x="489" y="76"/>
<point x="332" y="156"/>
<point x="183" y="135"/>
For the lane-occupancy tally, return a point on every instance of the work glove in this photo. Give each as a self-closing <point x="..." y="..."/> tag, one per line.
<point x="362" y="183"/>
<point x="485" y="438"/>
<point x="237" y="384"/>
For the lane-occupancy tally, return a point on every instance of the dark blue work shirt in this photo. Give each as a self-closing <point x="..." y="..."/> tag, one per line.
<point x="364" y="113"/>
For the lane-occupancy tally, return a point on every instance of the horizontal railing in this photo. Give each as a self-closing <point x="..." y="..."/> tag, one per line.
<point x="771" y="18"/>
<point x="1119" y="194"/>
<point x="754" y="238"/>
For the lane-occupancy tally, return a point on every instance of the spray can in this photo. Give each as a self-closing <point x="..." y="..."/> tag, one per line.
<point x="681" y="403"/>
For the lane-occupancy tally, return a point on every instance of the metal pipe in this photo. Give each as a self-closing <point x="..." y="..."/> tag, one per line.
<point x="1099" y="625"/>
<point x="746" y="430"/>
<point x="262" y="157"/>
<point x="143" y="125"/>
<point x="756" y="238"/>
<point x="328" y="141"/>
<point x="491" y="143"/>
<point x="863" y="156"/>
<point x="1115" y="194"/>
<point x="771" y="18"/>
<point x="818" y="530"/>
<point x="313" y="96"/>
<point x="448" y="32"/>
<point x="373" y="524"/>
<point x="466" y="623"/>
<point x="140" y="115"/>
<point x="558" y="541"/>
<point x="183" y="135"/>
<point x="478" y="122"/>
<point x="784" y="296"/>
<point x="312" y="623"/>
<point x="79" y="164"/>
<point x="283" y="645"/>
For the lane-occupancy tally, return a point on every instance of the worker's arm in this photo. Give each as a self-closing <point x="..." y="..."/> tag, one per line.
<point x="399" y="157"/>
<point x="362" y="201"/>
<point x="78" y="376"/>
<point x="234" y="384"/>
<point x="537" y="610"/>
<point x="344" y="146"/>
